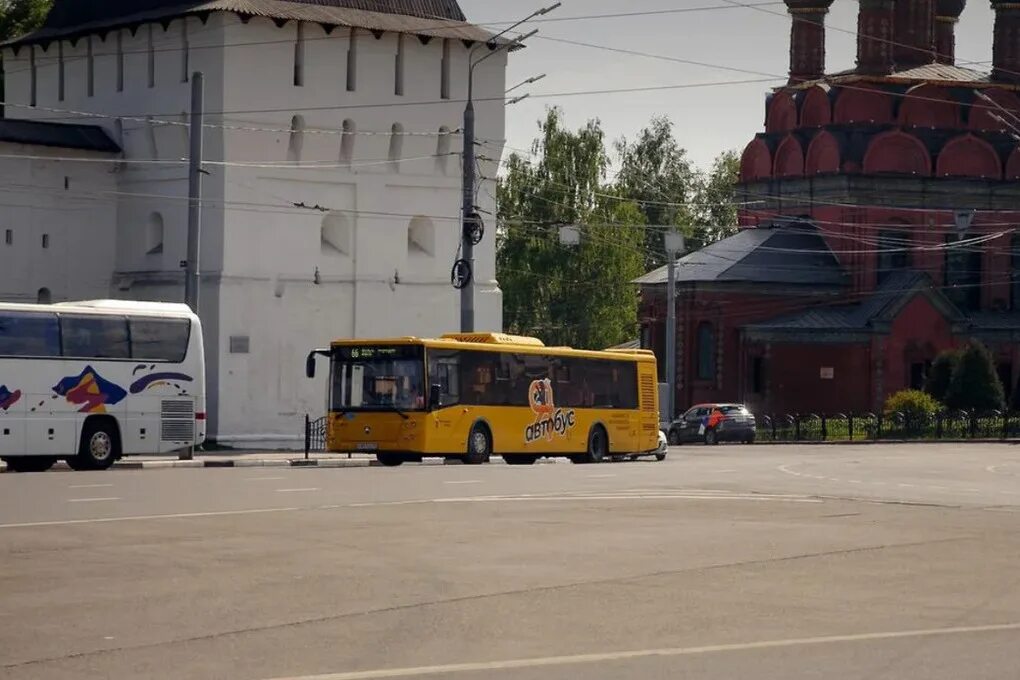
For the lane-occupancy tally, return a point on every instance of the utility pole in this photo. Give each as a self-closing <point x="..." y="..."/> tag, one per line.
<point x="674" y="243"/>
<point x="470" y="223"/>
<point x="472" y="230"/>
<point x="192" y="267"/>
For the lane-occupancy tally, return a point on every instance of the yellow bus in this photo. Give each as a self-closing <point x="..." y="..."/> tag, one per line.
<point x="472" y="396"/>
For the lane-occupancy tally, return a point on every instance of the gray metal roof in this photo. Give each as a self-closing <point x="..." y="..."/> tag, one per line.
<point x="927" y="73"/>
<point x="439" y="18"/>
<point x="64" y="135"/>
<point x="867" y="315"/>
<point x="774" y="255"/>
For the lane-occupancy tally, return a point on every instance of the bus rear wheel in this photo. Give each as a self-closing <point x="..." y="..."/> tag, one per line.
<point x="29" y="463"/>
<point x="479" y="448"/>
<point x="99" y="447"/>
<point x="598" y="447"/>
<point x="520" y="460"/>
<point x="389" y="459"/>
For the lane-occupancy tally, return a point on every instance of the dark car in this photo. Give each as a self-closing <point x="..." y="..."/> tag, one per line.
<point x="713" y="423"/>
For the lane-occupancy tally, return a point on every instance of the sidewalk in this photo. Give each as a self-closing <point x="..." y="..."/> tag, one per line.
<point x="239" y="459"/>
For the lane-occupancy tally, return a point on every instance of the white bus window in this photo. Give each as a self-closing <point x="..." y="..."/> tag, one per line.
<point x="159" y="339"/>
<point x="95" y="337"/>
<point x="24" y="334"/>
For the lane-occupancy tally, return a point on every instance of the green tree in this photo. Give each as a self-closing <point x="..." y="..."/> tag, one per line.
<point x="656" y="174"/>
<point x="975" y="383"/>
<point x="937" y="383"/>
<point x="715" y="206"/>
<point x="18" y="17"/>
<point x="577" y="295"/>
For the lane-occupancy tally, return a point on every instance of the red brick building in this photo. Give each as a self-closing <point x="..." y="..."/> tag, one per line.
<point x="880" y="215"/>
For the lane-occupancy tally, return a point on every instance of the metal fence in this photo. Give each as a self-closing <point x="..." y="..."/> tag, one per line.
<point x="888" y="426"/>
<point x="315" y="435"/>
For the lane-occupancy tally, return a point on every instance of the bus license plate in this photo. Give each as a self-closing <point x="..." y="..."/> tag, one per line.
<point x="367" y="446"/>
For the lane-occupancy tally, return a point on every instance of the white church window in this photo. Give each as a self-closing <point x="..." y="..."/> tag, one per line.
<point x="398" y="77"/>
<point x="60" y="71"/>
<point x="299" y="56"/>
<point x="444" y="86"/>
<point x="297" y="139"/>
<point x="396" y="145"/>
<point x="443" y="149"/>
<point x="154" y="234"/>
<point x="152" y="55"/>
<point x="347" y="135"/>
<point x="352" y="61"/>
<point x="90" y="68"/>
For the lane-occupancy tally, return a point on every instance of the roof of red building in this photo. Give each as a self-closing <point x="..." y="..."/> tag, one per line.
<point x="776" y="255"/>
<point x="866" y="315"/>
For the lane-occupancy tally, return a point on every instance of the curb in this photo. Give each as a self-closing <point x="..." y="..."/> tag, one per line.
<point x="269" y="463"/>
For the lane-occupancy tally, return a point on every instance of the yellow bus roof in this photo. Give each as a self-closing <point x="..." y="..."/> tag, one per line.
<point x="499" y="342"/>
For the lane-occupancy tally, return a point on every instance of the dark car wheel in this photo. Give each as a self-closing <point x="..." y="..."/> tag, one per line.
<point x="674" y="437"/>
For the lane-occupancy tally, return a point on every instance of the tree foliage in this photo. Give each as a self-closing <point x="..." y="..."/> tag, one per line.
<point x="937" y="383"/>
<point x="657" y="175"/>
<point x="574" y="295"/>
<point x="582" y="295"/>
<point x="18" y="17"/>
<point x="975" y="385"/>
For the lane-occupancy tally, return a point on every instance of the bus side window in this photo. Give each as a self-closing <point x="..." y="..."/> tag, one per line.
<point x="29" y="334"/>
<point x="444" y="370"/>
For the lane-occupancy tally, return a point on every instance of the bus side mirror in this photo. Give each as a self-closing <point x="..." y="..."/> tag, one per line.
<point x="435" y="396"/>
<point x="310" y="365"/>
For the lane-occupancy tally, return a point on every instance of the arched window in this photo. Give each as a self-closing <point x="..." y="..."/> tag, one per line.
<point x="347" y="135"/>
<point x="396" y="145"/>
<point x="154" y="234"/>
<point x="44" y="296"/>
<point x="297" y="138"/>
<point x="443" y="150"/>
<point x="894" y="251"/>
<point x="706" y="351"/>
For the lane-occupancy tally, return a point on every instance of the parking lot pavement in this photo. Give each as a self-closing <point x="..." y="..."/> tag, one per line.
<point x="717" y="563"/>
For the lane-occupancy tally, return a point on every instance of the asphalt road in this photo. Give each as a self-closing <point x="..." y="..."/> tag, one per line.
<point x="765" y="562"/>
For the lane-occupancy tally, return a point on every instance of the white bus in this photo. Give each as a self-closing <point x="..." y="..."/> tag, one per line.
<point x="88" y="382"/>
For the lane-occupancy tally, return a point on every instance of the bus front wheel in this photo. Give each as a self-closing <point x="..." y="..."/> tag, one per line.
<point x="479" y="448"/>
<point x="99" y="447"/>
<point x="389" y="459"/>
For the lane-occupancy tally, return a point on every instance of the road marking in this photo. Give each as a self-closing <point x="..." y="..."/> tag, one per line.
<point x="90" y="500"/>
<point x="464" y="481"/>
<point x="578" y="659"/>
<point x="907" y="486"/>
<point x="724" y="472"/>
<point x="264" y="479"/>
<point x="89" y="486"/>
<point x="298" y="490"/>
<point x="137" y="518"/>
<point x="600" y="476"/>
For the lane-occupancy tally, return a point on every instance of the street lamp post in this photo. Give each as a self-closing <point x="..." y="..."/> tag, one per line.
<point x="471" y="233"/>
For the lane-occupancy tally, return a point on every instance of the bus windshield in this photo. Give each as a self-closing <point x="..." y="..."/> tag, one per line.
<point x="378" y="379"/>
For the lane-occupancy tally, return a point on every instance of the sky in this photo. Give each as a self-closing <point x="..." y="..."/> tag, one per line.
<point x="708" y="120"/>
